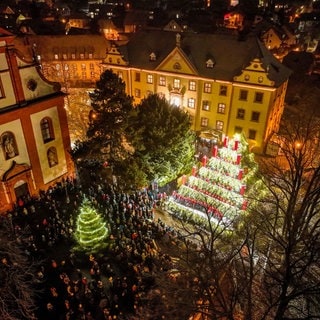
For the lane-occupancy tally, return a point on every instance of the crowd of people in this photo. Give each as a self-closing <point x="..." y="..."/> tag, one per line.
<point x="111" y="285"/>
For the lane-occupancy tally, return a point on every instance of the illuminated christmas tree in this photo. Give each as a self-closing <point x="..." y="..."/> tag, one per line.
<point x="91" y="231"/>
<point x="218" y="186"/>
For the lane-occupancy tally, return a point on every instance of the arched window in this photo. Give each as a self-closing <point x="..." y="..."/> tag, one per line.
<point x="9" y="145"/>
<point x="52" y="157"/>
<point x="47" y="129"/>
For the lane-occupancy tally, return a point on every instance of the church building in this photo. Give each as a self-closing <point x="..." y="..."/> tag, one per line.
<point x="34" y="136"/>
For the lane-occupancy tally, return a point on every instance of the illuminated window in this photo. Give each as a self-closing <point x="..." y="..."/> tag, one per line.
<point x="207" y="87"/>
<point x="64" y="56"/>
<point x="258" y="97"/>
<point x="152" y="56"/>
<point x="81" y="55"/>
<point x="83" y="66"/>
<point x="149" y="78"/>
<point x="255" y="116"/>
<point x="241" y="114"/>
<point x="192" y="85"/>
<point x="137" y="93"/>
<point x="191" y="103"/>
<point x="52" y="157"/>
<point x="252" y="134"/>
<point x="176" y="83"/>
<point x="219" y="125"/>
<point x="206" y="105"/>
<point x="56" y="56"/>
<point x="9" y="145"/>
<point x="91" y="66"/>
<point x="209" y="63"/>
<point x="223" y="90"/>
<point x="243" y="95"/>
<point x="120" y="74"/>
<point x="137" y="77"/>
<point x="73" y="56"/>
<point x="204" y="122"/>
<point x="90" y="56"/>
<point x="162" y="81"/>
<point x="221" y="108"/>
<point x="47" y="129"/>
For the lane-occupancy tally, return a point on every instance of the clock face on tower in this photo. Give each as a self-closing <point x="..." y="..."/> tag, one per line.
<point x="32" y="84"/>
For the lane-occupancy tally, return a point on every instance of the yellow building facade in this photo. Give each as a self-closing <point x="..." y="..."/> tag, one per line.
<point x="226" y="85"/>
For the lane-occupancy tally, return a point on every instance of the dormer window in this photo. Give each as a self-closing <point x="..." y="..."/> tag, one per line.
<point x="209" y="63"/>
<point x="152" y="57"/>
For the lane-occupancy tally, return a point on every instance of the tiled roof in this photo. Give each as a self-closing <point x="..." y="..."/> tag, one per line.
<point x="230" y="54"/>
<point x="47" y="46"/>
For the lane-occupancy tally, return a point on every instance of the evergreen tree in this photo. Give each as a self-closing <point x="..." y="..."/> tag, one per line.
<point x="107" y="122"/>
<point x="91" y="231"/>
<point x="162" y="140"/>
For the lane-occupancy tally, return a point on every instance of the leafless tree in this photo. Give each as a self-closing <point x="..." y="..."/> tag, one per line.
<point x="17" y="278"/>
<point x="288" y="221"/>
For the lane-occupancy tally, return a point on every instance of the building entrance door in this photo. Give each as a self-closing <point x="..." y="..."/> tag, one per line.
<point x="21" y="191"/>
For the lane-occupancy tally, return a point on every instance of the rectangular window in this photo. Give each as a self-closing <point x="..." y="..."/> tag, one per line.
<point x="219" y="125"/>
<point x="192" y="85"/>
<point x="223" y="90"/>
<point x="90" y="56"/>
<point x="221" y="108"/>
<point x="73" y="56"/>
<point x="56" y="56"/>
<point x="82" y="56"/>
<point x="84" y="75"/>
<point x="258" y="97"/>
<point x="137" y="93"/>
<point x="252" y="134"/>
<point x="149" y="78"/>
<point x="206" y="105"/>
<point x="83" y="66"/>
<point x="120" y="74"/>
<point x="237" y="129"/>
<point x="162" y="81"/>
<point x="240" y="114"/>
<point x="191" y="103"/>
<point x="207" y="87"/>
<point x="243" y="95"/>
<point x="176" y="83"/>
<point x="91" y="66"/>
<point x="204" y="122"/>
<point x="255" y="116"/>
<point x="64" y="56"/>
<point x="137" y="77"/>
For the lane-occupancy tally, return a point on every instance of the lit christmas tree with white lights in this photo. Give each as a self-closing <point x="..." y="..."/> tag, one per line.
<point x="91" y="231"/>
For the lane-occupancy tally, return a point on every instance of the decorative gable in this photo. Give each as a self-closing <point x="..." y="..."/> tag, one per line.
<point x="255" y="73"/>
<point x="177" y="62"/>
<point x="115" y="57"/>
